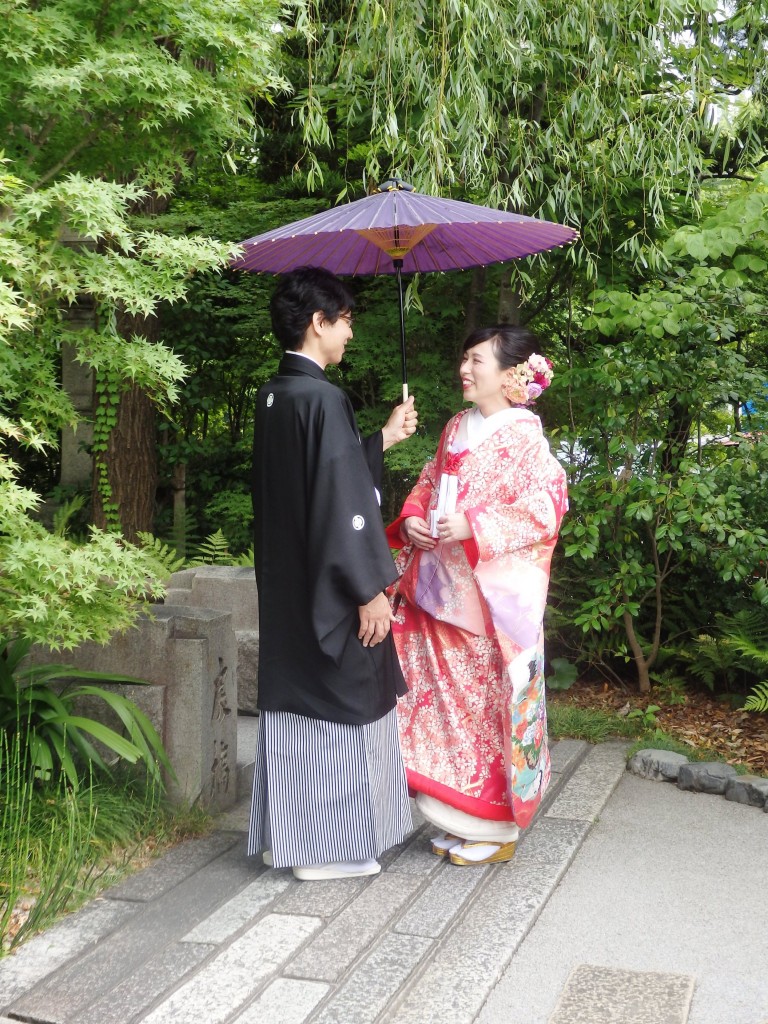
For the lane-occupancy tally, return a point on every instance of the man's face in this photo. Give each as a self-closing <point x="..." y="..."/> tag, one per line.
<point x="333" y="338"/>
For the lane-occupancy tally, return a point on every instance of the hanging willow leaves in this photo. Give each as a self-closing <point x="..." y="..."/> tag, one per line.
<point x="602" y="115"/>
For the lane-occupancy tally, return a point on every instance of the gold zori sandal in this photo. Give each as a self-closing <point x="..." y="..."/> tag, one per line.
<point x="442" y="845"/>
<point x="500" y="855"/>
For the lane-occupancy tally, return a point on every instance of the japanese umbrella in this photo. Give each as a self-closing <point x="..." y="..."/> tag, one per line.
<point x="398" y="230"/>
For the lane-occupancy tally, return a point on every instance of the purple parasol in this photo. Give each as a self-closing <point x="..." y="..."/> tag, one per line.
<point x="397" y="229"/>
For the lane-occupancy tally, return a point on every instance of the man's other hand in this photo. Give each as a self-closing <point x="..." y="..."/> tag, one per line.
<point x="375" y="620"/>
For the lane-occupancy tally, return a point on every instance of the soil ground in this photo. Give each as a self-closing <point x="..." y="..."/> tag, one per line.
<point x="700" y="719"/>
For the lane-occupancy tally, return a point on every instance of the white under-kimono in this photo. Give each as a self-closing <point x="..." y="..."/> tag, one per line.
<point x="468" y="628"/>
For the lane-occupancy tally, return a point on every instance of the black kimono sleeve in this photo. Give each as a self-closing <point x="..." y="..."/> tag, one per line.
<point x="350" y="559"/>
<point x="373" y="449"/>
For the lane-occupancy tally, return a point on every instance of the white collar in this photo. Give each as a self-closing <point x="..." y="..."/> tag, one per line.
<point x="476" y="428"/>
<point x="293" y="352"/>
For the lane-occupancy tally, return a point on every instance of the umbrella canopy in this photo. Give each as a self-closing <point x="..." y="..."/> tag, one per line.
<point x="424" y="232"/>
<point x="398" y="230"/>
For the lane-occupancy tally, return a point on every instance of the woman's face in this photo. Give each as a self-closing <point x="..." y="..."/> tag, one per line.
<point x="481" y="378"/>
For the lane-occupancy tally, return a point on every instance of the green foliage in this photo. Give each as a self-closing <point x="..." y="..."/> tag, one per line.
<point x="605" y="117"/>
<point x="590" y="724"/>
<point x="563" y="675"/>
<point x="713" y="661"/>
<point x="56" y="591"/>
<point x="60" y="846"/>
<point x="162" y="554"/>
<point x="55" y="740"/>
<point x="653" y="511"/>
<point x="669" y="687"/>
<point x="233" y="510"/>
<point x="65" y="513"/>
<point x="758" y="699"/>
<point x="645" y="716"/>
<point x="102" y="109"/>
<point x="746" y="633"/>
<point x="214" y="550"/>
<point x="737" y="649"/>
<point x="246" y="559"/>
<point x="124" y="88"/>
<point x="53" y="851"/>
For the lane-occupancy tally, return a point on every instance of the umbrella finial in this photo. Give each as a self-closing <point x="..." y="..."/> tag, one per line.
<point x="394" y="185"/>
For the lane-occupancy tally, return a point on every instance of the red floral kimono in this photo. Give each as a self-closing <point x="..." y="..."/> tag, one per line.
<point x="468" y="626"/>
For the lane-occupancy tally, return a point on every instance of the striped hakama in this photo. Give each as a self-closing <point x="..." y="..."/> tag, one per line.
<point x="326" y="791"/>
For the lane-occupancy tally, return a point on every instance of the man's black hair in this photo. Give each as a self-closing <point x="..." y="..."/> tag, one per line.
<point x="299" y="295"/>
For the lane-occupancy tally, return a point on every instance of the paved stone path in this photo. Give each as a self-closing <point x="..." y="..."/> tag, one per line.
<point x="204" y="936"/>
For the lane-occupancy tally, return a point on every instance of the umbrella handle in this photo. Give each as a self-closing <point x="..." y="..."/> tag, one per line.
<point x="398" y="264"/>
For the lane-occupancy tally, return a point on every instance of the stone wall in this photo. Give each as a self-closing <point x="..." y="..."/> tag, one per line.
<point x="231" y="589"/>
<point x="188" y="656"/>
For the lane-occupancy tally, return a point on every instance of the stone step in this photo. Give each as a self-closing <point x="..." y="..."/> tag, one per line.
<point x="204" y="929"/>
<point x="479" y="943"/>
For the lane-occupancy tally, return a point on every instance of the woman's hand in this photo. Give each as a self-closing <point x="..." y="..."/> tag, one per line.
<point x="416" y="531"/>
<point x="375" y="621"/>
<point x="454" y="527"/>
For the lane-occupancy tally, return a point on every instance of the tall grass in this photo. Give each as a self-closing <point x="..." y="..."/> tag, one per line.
<point x="59" y="845"/>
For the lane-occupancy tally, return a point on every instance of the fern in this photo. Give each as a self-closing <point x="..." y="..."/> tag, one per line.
<point x="184" y="534"/>
<point x="165" y="556"/>
<point x="214" y="550"/>
<point x="65" y="513"/>
<point x="246" y="558"/>
<point x="746" y="632"/>
<point x="758" y="699"/>
<point x="712" y="661"/>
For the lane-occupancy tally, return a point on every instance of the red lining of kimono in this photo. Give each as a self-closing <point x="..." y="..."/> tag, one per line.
<point x="470" y="805"/>
<point x="394" y="536"/>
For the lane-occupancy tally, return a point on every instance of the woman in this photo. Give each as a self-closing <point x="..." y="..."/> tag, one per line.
<point x="477" y="533"/>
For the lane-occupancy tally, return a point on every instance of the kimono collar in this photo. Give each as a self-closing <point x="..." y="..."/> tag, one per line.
<point x="477" y="428"/>
<point x="294" y="364"/>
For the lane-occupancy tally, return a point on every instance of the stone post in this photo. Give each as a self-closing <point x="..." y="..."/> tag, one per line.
<point x="189" y="657"/>
<point x="232" y="589"/>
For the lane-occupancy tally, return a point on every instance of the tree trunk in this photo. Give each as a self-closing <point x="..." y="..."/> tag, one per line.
<point x="124" y="496"/>
<point x="679" y="426"/>
<point x="131" y="461"/>
<point x="475" y="314"/>
<point x="642" y="664"/>
<point x="509" y="303"/>
<point x="128" y="497"/>
<point x="180" y="507"/>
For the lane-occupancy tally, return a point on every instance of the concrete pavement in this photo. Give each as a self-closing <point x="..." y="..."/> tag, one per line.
<point x="628" y="902"/>
<point x="669" y="882"/>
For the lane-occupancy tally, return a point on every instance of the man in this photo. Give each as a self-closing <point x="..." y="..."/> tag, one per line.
<point x="329" y="790"/>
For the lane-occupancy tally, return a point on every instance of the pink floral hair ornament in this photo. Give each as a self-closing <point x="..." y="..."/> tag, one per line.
<point x="525" y="382"/>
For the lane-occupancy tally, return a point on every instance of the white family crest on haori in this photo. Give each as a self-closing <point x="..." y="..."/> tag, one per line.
<point x="270" y="399"/>
<point x="358" y="522"/>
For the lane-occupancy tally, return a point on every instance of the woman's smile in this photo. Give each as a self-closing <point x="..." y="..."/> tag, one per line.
<point x="481" y="378"/>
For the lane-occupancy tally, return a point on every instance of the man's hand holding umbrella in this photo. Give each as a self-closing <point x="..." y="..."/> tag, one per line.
<point x="401" y="424"/>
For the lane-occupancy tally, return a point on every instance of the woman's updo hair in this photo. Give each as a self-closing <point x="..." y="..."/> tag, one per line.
<point x="511" y="345"/>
